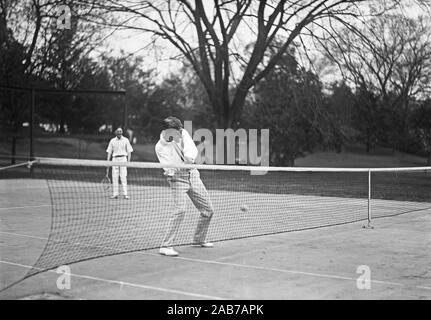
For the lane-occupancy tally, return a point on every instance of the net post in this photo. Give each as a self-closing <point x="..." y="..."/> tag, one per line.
<point x="32" y="124"/>
<point x="32" y="109"/>
<point x="125" y="112"/>
<point x="369" y="226"/>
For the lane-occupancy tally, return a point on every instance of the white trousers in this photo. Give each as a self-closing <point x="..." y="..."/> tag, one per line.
<point x="188" y="185"/>
<point x="119" y="172"/>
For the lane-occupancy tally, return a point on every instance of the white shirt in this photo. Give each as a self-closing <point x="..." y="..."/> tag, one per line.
<point x="119" y="147"/>
<point x="167" y="153"/>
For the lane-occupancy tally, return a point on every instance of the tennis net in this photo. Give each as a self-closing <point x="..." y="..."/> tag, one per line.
<point x="247" y="201"/>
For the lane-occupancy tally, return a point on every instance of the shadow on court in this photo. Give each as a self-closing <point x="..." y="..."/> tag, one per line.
<point x="313" y="264"/>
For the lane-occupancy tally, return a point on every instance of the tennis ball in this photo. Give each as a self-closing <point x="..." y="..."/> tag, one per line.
<point x="243" y="208"/>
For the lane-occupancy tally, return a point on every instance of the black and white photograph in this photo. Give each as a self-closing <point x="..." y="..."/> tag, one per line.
<point x="215" y="155"/>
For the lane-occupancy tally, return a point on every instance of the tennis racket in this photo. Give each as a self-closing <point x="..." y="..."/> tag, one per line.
<point x="106" y="182"/>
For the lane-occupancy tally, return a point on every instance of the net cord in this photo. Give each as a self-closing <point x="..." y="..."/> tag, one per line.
<point x="153" y="165"/>
<point x="28" y="164"/>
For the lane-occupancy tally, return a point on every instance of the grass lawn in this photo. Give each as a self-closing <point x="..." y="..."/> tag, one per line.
<point x="73" y="147"/>
<point x="360" y="159"/>
<point x="77" y="148"/>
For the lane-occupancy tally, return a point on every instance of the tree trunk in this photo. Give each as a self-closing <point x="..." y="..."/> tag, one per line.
<point x="368" y="142"/>
<point x="237" y="105"/>
<point x="292" y="162"/>
<point x="224" y="119"/>
<point x="61" y="128"/>
<point x="13" y="150"/>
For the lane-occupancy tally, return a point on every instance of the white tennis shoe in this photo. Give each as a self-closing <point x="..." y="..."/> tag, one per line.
<point x="113" y="197"/>
<point x="126" y="197"/>
<point x="170" y="252"/>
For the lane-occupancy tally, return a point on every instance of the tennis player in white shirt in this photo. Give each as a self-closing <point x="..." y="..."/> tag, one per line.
<point x="177" y="147"/>
<point x="120" y="150"/>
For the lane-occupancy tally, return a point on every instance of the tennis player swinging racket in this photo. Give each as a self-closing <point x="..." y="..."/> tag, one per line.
<point x="177" y="147"/>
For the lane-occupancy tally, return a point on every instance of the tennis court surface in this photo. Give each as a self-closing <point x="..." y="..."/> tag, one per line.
<point x="62" y="215"/>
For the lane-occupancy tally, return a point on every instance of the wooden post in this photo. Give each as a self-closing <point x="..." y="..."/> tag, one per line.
<point x="125" y="113"/>
<point x="33" y="93"/>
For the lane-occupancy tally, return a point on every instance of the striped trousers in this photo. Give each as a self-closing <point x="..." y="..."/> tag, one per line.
<point x="183" y="185"/>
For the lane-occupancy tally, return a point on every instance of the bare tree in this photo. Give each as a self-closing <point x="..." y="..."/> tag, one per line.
<point x="33" y="24"/>
<point x="35" y="51"/>
<point x="389" y="55"/>
<point x="211" y="35"/>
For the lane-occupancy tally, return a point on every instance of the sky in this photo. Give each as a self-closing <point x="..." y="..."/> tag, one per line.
<point x="161" y="56"/>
